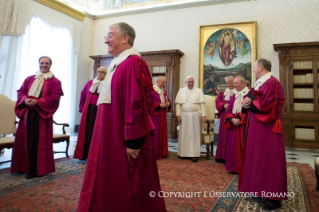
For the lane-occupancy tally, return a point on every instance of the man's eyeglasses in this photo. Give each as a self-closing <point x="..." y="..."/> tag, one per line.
<point x="102" y="72"/>
<point x="108" y="36"/>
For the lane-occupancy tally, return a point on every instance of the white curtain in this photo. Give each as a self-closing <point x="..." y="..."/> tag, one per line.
<point x="15" y="15"/>
<point x="10" y="57"/>
<point x="41" y="39"/>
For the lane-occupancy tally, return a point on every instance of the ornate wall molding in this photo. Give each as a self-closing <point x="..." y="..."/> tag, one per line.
<point x="63" y="8"/>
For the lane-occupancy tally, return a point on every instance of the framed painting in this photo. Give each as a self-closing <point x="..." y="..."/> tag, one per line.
<point x="226" y="50"/>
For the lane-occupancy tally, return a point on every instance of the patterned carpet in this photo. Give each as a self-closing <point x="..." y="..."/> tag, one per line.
<point x="186" y="186"/>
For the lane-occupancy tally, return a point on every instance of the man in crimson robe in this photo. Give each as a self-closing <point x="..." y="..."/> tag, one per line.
<point x="222" y="102"/>
<point x="162" y="105"/>
<point x="235" y="121"/>
<point x="88" y="108"/>
<point x="265" y="169"/>
<point x="38" y="99"/>
<point x="121" y="173"/>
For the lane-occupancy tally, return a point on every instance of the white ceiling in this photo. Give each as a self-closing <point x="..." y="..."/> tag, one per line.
<point x="97" y="9"/>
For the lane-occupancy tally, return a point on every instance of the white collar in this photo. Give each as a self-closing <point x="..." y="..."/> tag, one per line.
<point x="228" y="93"/>
<point x="243" y="92"/>
<point x="46" y="76"/>
<point x="160" y="92"/>
<point x="158" y="89"/>
<point x="96" y="80"/>
<point x="229" y="90"/>
<point x="261" y="81"/>
<point x="105" y="95"/>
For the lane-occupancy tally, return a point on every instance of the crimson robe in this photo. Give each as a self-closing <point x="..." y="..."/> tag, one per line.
<point x="48" y="103"/>
<point x="236" y="141"/>
<point x="160" y="122"/>
<point x="86" y="99"/>
<point x="223" y="134"/>
<point x="111" y="183"/>
<point x="265" y="163"/>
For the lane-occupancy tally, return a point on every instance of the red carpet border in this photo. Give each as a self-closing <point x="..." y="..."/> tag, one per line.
<point x="186" y="186"/>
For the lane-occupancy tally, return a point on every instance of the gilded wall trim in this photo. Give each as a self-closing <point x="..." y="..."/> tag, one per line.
<point x="63" y="8"/>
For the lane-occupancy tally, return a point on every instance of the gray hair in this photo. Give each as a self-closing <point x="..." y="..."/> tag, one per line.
<point x="125" y="29"/>
<point x="102" y="68"/>
<point x="188" y="78"/>
<point x="266" y="64"/>
<point x="229" y="77"/>
<point x="242" y="79"/>
<point x="157" y="78"/>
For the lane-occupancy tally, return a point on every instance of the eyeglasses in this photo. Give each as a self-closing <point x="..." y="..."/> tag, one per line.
<point x="108" y="36"/>
<point x="102" y="72"/>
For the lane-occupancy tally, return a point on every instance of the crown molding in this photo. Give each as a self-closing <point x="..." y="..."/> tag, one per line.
<point x="63" y="8"/>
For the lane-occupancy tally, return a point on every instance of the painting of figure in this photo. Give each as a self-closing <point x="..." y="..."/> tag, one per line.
<point x="128" y="3"/>
<point x="227" y="47"/>
<point x="242" y="44"/>
<point x="210" y="87"/>
<point x="99" y="5"/>
<point x="211" y="49"/>
<point x="96" y="5"/>
<point x="226" y="52"/>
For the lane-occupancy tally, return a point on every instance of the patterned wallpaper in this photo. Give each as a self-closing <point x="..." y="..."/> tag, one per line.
<point x="57" y="18"/>
<point x="84" y="62"/>
<point x="278" y="21"/>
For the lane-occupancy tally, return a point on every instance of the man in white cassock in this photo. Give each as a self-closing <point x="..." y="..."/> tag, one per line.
<point x="190" y="112"/>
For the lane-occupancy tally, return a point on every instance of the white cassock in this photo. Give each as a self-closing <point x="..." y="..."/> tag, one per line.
<point x="190" y="105"/>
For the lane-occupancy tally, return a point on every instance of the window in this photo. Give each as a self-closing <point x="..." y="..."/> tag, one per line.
<point x="42" y="39"/>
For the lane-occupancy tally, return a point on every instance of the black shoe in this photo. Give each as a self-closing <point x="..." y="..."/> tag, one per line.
<point x="31" y="175"/>
<point x="255" y="199"/>
<point x="269" y="204"/>
<point x="231" y="172"/>
<point x="194" y="160"/>
<point x="220" y="161"/>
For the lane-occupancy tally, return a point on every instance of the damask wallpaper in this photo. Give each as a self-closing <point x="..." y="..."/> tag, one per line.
<point x="84" y="63"/>
<point x="278" y="21"/>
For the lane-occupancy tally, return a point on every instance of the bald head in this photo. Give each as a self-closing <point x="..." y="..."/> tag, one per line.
<point x="160" y="82"/>
<point x="101" y="73"/>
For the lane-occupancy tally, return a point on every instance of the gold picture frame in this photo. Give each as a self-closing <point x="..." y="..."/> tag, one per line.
<point x="226" y="49"/>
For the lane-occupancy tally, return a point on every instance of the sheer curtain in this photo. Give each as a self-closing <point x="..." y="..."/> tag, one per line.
<point x="42" y="39"/>
<point x="10" y="53"/>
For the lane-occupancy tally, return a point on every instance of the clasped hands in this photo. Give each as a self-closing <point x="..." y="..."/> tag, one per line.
<point x="246" y="102"/>
<point x="236" y="122"/>
<point x="131" y="153"/>
<point x="164" y="105"/>
<point x="30" y="102"/>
